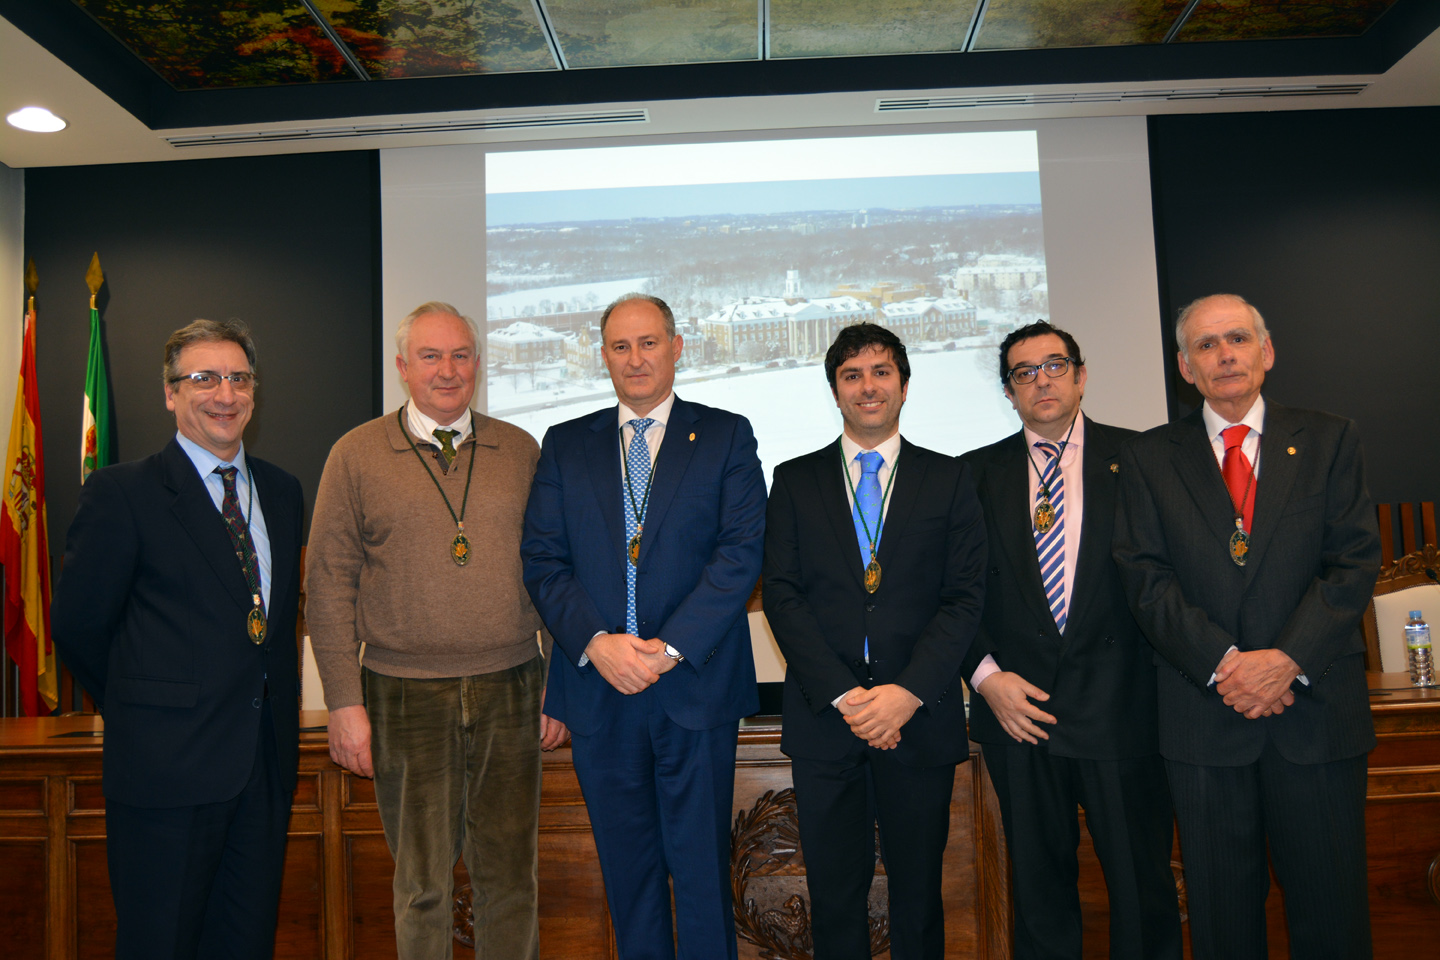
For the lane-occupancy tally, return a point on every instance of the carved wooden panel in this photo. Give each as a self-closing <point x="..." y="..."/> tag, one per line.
<point x="22" y="897"/>
<point x="369" y="872"/>
<point x="22" y="798"/>
<point x="299" y="933"/>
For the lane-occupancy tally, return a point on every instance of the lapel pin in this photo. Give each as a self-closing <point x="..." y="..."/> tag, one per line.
<point x="1290" y="450"/>
<point x="692" y="440"/>
<point x="1114" y="468"/>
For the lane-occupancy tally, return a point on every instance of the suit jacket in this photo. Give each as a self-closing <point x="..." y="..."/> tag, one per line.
<point x="149" y="615"/>
<point x="699" y="560"/>
<point x="920" y="621"/>
<point x="1314" y="556"/>
<point x="1100" y="674"/>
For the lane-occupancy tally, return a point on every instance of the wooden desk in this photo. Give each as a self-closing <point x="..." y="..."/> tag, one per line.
<point x="336" y="903"/>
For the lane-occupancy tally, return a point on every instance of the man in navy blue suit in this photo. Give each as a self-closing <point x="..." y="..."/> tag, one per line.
<point x="643" y="537"/>
<point x="176" y="610"/>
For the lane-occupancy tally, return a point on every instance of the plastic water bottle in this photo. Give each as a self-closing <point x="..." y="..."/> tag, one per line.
<point x="1419" y="656"/>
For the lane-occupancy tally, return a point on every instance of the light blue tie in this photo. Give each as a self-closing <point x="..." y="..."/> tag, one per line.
<point x="1050" y="546"/>
<point x="637" y="469"/>
<point x="868" y="509"/>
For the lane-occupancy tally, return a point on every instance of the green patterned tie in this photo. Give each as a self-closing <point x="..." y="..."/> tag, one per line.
<point x="447" y="443"/>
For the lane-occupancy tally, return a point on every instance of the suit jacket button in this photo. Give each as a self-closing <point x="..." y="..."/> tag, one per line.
<point x="1040" y="632"/>
<point x="1109" y="639"/>
<point x="994" y="571"/>
<point x="869" y="608"/>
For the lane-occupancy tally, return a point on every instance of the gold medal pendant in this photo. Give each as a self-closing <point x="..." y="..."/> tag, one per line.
<point x="1239" y="543"/>
<point x="872" y="575"/>
<point x="1044" y="516"/>
<point x="632" y="550"/>
<point x="255" y="623"/>
<point x="460" y="550"/>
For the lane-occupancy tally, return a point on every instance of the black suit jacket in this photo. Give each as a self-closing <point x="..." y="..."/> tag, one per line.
<point x="1314" y="556"/>
<point x="1100" y="674"/>
<point x="149" y="615"/>
<point x="920" y="621"/>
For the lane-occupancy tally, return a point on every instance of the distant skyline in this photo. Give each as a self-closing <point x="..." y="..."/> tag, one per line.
<point x="762" y="198"/>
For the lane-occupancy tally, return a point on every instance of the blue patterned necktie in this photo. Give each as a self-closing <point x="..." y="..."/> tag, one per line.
<point x="637" y="479"/>
<point x="1050" y="545"/>
<point x="869" y="504"/>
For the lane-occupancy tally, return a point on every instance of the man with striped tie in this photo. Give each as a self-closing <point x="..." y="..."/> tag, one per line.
<point x="873" y="585"/>
<point x="1066" y="710"/>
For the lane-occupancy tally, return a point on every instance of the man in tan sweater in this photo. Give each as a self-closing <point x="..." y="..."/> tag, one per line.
<point x="414" y="559"/>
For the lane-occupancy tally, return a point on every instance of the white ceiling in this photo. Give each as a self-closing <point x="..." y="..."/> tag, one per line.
<point x="101" y="131"/>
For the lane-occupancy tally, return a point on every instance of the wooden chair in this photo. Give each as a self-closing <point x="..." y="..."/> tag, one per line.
<point x="1407" y="513"/>
<point x="1418" y="569"/>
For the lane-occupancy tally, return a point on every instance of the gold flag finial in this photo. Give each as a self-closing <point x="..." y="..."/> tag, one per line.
<point x="94" y="278"/>
<point x="32" y="279"/>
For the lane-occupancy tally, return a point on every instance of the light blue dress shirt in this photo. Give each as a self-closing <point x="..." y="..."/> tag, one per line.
<point x="205" y="464"/>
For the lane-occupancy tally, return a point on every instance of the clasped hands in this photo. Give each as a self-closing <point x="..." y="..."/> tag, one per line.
<point x="1257" y="682"/>
<point x="876" y="715"/>
<point x="628" y="663"/>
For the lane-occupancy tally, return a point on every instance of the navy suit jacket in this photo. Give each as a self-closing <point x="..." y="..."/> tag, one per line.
<point x="1314" y="556"/>
<point x="149" y="615"/>
<point x="920" y="621"/>
<point x="699" y="560"/>
<point x="1101" y="673"/>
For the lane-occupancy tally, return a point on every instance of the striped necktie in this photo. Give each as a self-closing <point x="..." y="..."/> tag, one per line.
<point x="1050" y="545"/>
<point x="637" y="475"/>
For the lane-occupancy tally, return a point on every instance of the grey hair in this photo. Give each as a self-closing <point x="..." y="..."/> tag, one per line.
<point x="1261" y="330"/>
<point x="207" y="331"/>
<point x="656" y="302"/>
<point x="402" y="332"/>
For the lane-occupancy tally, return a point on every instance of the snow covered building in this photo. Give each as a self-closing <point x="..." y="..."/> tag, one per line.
<point x="524" y="342"/>
<point x="780" y="327"/>
<point x="931" y="318"/>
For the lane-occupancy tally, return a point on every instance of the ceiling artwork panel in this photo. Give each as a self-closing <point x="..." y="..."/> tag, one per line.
<point x="1280" y="19"/>
<point x="394" y="39"/>
<point x="855" y="28"/>
<point x="628" y="33"/>
<point x="1041" y="24"/>
<point x="201" y="44"/>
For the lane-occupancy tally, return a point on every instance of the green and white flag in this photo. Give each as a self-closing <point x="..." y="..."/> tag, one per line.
<point x="95" y="423"/>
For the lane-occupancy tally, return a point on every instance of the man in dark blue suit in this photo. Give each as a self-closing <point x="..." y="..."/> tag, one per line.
<point x="874" y="586"/>
<point x="642" y="542"/>
<point x="176" y="610"/>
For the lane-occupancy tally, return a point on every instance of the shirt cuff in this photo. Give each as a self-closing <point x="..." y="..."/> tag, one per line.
<point x="585" y="657"/>
<point x="983" y="672"/>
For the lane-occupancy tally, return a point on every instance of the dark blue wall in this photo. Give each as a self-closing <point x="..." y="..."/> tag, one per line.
<point x="1328" y="221"/>
<point x="289" y="244"/>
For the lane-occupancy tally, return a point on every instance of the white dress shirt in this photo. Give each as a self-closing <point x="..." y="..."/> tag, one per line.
<point x="423" y="427"/>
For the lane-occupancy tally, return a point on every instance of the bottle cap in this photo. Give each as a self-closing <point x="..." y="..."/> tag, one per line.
<point x="1414" y="614"/>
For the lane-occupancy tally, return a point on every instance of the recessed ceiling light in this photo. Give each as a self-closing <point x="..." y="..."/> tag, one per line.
<point x="36" y="120"/>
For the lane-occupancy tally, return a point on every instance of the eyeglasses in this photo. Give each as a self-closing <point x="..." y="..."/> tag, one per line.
<point x="1053" y="369"/>
<point x="208" y="381"/>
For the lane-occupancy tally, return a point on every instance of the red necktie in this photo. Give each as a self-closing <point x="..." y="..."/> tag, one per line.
<point x="1239" y="479"/>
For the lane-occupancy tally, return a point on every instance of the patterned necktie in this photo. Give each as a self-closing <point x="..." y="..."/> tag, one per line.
<point x="1050" y="545"/>
<point x="1237" y="473"/>
<point x="446" y="437"/>
<point x="637" y="478"/>
<point x="867" y="510"/>
<point x="239" y="532"/>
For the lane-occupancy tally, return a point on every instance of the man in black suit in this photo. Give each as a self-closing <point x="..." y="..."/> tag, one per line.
<point x="1066" y="681"/>
<point x="873" y="585"/>
<point x="176" y="610"/>
<point x="1248" y="547"/>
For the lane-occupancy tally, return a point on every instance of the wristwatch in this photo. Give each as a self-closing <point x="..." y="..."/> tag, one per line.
<point x="673" y="654"/>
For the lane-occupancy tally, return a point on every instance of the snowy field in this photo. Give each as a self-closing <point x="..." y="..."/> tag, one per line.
<point x="505" y="305"/>
<point x="955" y="403"/>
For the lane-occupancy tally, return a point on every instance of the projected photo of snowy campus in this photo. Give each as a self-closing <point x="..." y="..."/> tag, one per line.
<point x="765" y="250"/>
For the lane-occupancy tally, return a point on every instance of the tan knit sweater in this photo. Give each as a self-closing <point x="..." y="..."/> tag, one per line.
<point x="378" y="566"/>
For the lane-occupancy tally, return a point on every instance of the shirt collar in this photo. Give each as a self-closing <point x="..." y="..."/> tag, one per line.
<point x="1077" y="436"/>
<point x="424" y="427"/>
<point x="888" y="449"/>
<point x="205" y="461"/>
<point x="661" y="413"/>
<point x="1214" y="423"/>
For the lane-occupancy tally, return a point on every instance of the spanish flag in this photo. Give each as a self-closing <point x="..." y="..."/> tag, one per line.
<point x="24" y="546"/>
